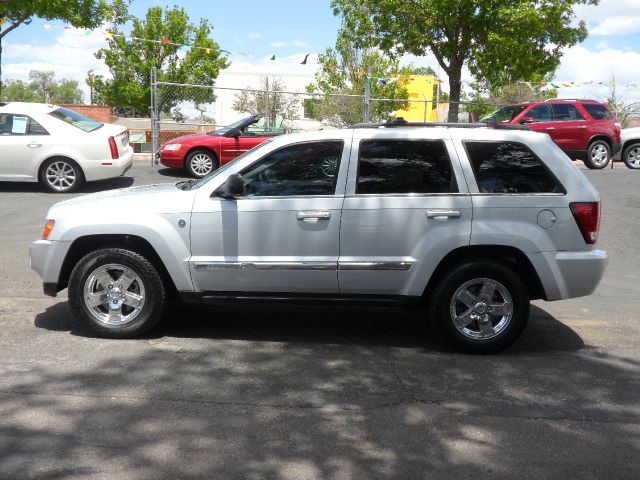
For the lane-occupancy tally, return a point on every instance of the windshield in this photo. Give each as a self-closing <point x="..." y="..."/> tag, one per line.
<point x="221" y="131"/>
<point x="75" y="119"/>
<point x="504" y="114"/>
<point x="215" y="173"/>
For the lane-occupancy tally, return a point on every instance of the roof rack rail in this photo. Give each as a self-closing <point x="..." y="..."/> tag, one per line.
<point x="570" y="100"/>
<point x="400" y="122"/>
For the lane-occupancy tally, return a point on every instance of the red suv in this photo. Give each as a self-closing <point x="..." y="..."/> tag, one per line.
<point x="584" y="129"/>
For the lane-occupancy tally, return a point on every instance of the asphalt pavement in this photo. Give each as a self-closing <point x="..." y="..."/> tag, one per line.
<point x="318" y="393"/>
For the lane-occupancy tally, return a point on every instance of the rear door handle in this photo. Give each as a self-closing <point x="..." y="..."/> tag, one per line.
<point x="34" y="145"/>
<point x="443" y="213"/>
<point x="582" y="127"/>
<point x="313" y="215"/>
<point x="551" y="128"/>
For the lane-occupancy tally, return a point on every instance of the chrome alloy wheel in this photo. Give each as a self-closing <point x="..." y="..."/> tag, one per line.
<point x="114" y="294"/>
<point x="481" y="308"/>
<point x="60" y="176"/>
<point x="633" y="157"/>
<point x="201" y="164"/>
<point x="330" y="166"/>
<point x="600" y="154"/>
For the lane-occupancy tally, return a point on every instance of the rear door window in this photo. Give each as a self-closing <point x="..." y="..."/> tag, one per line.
<point x="509" y="168"/>
<point x="404" y="166"/>
<point x="565" y="112"/>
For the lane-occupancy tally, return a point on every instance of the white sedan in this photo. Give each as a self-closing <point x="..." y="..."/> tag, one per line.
<point x="58" y="147"/>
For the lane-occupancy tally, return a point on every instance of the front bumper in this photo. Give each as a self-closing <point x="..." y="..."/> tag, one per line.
<point x="569" y="274"/>
<point x="46" y="258"/>
<point x="171" y="159"/>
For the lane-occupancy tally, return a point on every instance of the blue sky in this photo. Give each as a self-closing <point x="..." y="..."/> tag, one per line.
<point x="254" y="30"/>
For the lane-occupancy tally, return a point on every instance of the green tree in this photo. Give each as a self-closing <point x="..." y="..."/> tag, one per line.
<point x="131" y="61"/>
<point x="502" y="41"/>
<point x="43" y="87"/>
<point x="341" y="79"/>
<point x="79" y="13"/>
<point x="268" y="102"/>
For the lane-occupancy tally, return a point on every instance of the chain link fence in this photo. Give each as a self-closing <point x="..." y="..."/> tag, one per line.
<point x="181" y="109"/>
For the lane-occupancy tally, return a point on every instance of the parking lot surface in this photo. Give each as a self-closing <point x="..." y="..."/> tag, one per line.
<point x="304" y="392"/>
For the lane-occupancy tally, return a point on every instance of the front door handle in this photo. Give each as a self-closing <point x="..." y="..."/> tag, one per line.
<point x="582" y="127"/>
<point x="313" y="215"/>
<point x="34" y="145"/>
<point x="550" y="128"/>
<point x="443" y="213"/>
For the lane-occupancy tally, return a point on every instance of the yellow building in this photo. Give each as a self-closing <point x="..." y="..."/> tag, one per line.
<point x="423" y="91"/>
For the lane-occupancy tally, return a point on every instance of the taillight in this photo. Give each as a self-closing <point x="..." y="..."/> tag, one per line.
<point x="113" y="147"/>
<point x="587" y="215"/>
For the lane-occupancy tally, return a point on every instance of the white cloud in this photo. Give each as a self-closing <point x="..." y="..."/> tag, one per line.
<point x="602" y="45"/>
<point x="582" y="65"/>
<point x="299" y="43"/>
<point x="279" y="44"/>
<point x="255" y="35"/>
<point x="611" y="17"/>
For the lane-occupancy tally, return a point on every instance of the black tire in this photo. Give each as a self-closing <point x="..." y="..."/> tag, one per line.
<point x="631" y="156"/>
<point x="61" y="175"/>
<point x="201" y="162"/>
<point x="598" y="155"/>
<point x="470" y="278"/>
<point x="88" y="280"/>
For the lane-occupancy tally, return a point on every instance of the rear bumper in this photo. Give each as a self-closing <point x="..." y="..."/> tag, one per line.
<point x="569" y="274"/>
<point x="110" y="168"/>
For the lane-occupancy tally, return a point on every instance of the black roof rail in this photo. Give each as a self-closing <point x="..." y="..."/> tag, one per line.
<point x="398" y="122"/>
<point x="571" y="100"/>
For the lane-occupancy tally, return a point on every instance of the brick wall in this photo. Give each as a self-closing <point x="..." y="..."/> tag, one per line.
<point x="100" y="113"/>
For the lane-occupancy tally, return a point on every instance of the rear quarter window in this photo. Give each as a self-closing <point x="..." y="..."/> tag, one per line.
<point x="509" y="168"/>
<point x="73" y="118"/>
<point x="597" y="112"/>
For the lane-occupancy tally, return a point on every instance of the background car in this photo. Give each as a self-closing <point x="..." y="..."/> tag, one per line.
<point x="583" y="129"/>
<point x="58" y="147"/>
<point x="203" y="153"/>
<point x="631" y="147"/>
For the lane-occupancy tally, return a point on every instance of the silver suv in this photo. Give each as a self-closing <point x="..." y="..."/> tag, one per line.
<point x="471" y="223"/>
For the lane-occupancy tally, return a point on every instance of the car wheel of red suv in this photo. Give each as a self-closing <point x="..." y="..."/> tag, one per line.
<point x="598" y="154"/>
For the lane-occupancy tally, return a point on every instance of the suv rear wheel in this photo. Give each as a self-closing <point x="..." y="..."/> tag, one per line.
<point x="480" y="306"/>
<point x="116" y="293"/>
<point x="598" y="154"/>
<point x="631" y="156"/>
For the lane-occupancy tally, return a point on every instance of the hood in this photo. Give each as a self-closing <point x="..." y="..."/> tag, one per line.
<point x="628" y="133"/>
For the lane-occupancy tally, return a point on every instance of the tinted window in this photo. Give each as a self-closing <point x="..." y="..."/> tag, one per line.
<point x="505" y="114"/>
<point x="12" y="124"/>
<point x="506" y="167"/>
<point x="301" y="169"/>
<point x="404" y="166"/>
<point x="597" y="112"/>
<point x="75" y="119"/>
<point x="541" y="113"/>
<point x="565" y="112"/>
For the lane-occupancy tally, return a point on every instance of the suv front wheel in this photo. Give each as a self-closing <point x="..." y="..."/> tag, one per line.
<point x="631" y="156"/>
<point x="117" y="293"/>
<point x="480" y="306"/>
<point x="598" y="154"/>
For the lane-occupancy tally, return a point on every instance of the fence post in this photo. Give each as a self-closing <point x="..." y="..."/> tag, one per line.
<point x="155" y="125"/>
<point x="367" y="96"/>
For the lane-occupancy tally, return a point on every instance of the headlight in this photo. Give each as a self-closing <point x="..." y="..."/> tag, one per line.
<point x="48" y="226"/>
<point x="172" y="147"/>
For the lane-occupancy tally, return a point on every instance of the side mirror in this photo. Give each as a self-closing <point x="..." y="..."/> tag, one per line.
<point x="232" y="188"/>
<point x="237" y="133"/>
<point x="527" y="120"/>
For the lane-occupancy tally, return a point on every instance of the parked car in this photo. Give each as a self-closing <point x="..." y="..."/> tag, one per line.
<point x="58" y="147"/>
<point x="203" y="153"/>
<point x="631" y="147"/>
<point x="471" y="223"/>
<point x="583" y="129"/>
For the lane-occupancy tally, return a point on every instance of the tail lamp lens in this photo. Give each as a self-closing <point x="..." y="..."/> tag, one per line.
<point x="587" y="216"/>
<point x="113" y="147"/>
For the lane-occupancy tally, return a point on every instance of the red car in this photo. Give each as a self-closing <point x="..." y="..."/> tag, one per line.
<point x="584" y="129"/>
<point x="203" y="153"/>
